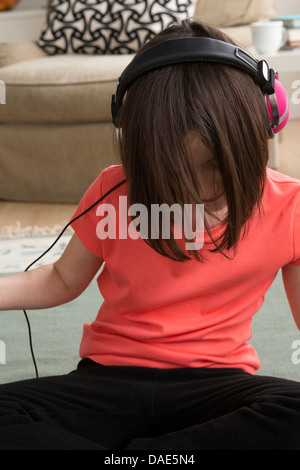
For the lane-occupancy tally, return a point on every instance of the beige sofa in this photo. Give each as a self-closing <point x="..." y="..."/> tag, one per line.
<point x="55" y="128"/>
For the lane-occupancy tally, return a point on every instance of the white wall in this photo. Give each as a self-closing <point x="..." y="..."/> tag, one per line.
<point x="282" y="6"/>
<point x="287" y="7"/>
<point x="290" y="7"/>
<point x="24" y="4"/>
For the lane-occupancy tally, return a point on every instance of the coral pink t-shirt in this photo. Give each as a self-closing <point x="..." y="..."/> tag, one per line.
<point x="161" y="313"/>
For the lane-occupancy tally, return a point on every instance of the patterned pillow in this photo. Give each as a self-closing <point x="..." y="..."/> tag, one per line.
<point x="108" y="26"/>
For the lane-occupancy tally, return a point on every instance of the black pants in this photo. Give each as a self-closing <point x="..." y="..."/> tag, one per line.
<point x="133" y="408"/>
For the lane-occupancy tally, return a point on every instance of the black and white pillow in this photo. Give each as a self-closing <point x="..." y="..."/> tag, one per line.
<point x="108" y="26"/>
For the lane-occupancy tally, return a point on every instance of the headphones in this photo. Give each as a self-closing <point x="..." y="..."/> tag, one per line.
<point x="192" y="49"/>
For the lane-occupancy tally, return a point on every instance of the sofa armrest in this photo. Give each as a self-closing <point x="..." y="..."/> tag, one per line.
<point x="12" y="52"/>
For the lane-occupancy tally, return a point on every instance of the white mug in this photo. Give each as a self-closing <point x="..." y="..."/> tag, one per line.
<point x="268" y="36"/>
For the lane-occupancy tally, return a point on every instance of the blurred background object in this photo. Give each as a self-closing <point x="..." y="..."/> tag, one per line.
<point x="8" y="4"/>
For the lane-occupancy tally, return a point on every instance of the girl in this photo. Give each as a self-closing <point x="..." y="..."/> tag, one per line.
<point x="167" y="364"/>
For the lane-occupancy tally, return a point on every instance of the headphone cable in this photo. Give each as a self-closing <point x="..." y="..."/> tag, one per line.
<point x="47" y="251"/>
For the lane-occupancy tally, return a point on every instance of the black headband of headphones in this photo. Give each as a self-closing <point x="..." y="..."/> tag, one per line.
<point x="173" y="51"/>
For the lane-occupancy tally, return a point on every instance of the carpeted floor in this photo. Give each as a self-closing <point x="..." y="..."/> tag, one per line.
<point x="16" y="253"/>
<point x="56" y="333"/>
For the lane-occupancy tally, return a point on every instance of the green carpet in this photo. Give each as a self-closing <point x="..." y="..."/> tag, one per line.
<point x="56" y="332"/>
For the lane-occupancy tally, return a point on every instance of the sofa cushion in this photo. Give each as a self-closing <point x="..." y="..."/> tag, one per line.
<point x="234" y="12"/>
<point x="61" y="89"/>
<point x="109" y="26"/>
<point x="242" y="35"/>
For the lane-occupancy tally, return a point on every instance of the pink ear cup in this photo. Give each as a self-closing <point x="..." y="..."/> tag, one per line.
<point x="283" y="106"/>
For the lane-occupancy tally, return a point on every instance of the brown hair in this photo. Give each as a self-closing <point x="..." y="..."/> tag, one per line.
<point x="220" y="104"/>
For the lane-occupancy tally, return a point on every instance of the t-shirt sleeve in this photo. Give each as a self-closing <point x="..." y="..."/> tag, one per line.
<point x="296" y="229"/>
<point x="84" y="220"/>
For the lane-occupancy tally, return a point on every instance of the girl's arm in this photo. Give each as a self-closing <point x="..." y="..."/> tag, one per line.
<point x="291" y="279"/>
<point x="53" y="284"/>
